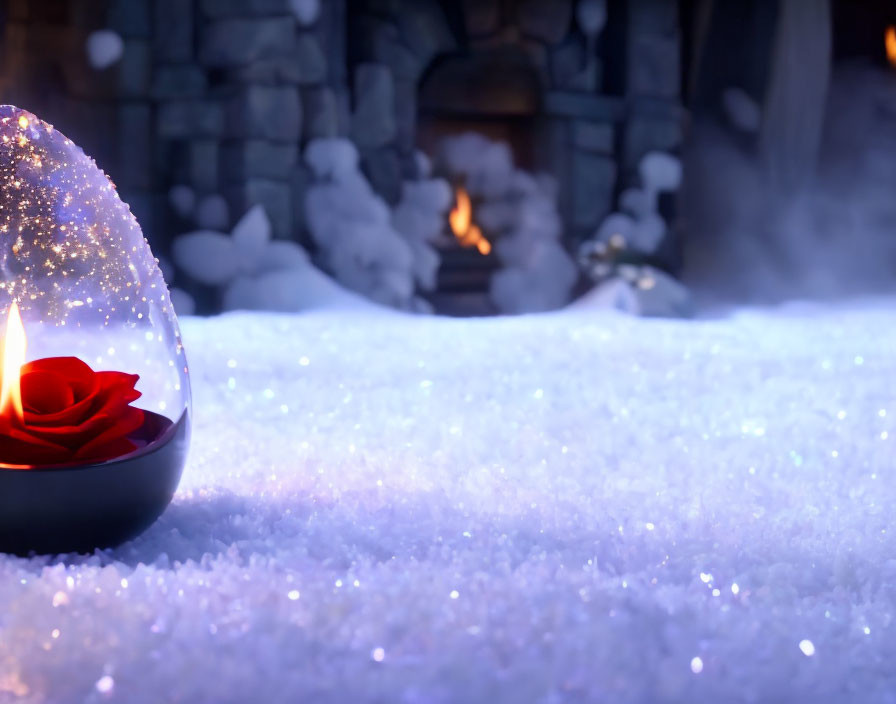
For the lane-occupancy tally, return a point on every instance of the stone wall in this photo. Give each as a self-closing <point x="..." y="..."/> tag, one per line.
<point x="216" y="95"/>
<point x="221" y="95"/>
<point x="608" y="77"/>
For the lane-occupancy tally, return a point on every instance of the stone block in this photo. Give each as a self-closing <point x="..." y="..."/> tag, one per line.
<point x="244" y="8"/>
<point x="309" y="66"/>
<point x="83" y="14"/>
<point x="258" y="158"/>
<point x="203" y="165"/>
<point x="237" y="42"/>
<point x="133" y="168"/>
<point x="373" y="122"/>
<point x="266" y="112"/>
<point x="173" y="38"/>
<point x="131" y="18"/>
<point x="387" y="49"/>
<point x="653" y="65"/>
<point x="593" y="136"/>
<point x="646" y="134"/>
<point x="593" y="184"/>
<point x="190" y="118"/>
<point x="274" y="196"/>
<point x="298" y="185"/>
<point x="134" y="69"/>
<point x="330" y="31"/>
<point x="657" y="108"/>
<point x="383" y="169"/>
<point x="567" y="60"/>
<point x="424" y="29"/>
<point x="320" y="117"/>
<point x="652" y="16"/>
<point x="304" y="64"/>
<point x="546" y="20"/>
<point x="583" y="106"/>
<point x="178" y="81"/>
<point x="481" y="17"/>
<point x="406" y="115"/>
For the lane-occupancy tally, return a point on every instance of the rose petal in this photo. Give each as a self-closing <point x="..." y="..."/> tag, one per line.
<point x="73" y="436"/>
<point x="113" y="437"/>
<point x="45" y="392"/>
<point x="79" y="375"/>
<point x="95" y="402"/>
<point x="111" y="450"/>
<point x="17" y="447"/>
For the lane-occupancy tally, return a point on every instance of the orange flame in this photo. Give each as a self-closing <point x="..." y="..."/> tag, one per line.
<point x="890" y="43"/>
<point x="461" y="220"/>
<point x="14" y="346"/>
<point x="461" y="214"/>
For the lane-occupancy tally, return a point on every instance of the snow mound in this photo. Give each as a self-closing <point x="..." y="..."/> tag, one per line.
<point x="368" y="248"/>
<point x="256" y="272"/>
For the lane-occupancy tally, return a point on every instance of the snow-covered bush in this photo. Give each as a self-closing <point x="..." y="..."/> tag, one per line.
<point x="419" y="217"/>
<point x="368" y="248"/>
<point x="519" y="211"/>
<point x="615" y="255"/>
<point x="256" y="272"/>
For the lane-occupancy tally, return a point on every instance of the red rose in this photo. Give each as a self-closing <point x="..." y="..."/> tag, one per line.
<point x="72" y="414"/>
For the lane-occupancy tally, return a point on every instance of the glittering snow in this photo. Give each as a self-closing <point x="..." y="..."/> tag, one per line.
<point x="574" y="507"/>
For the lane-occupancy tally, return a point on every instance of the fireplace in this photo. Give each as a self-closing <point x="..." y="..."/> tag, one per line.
<point x="496" y="93"/>
<point x="578" y="92"/>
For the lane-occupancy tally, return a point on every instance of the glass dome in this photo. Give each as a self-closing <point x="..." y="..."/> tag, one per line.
<point x="77" y="268"/>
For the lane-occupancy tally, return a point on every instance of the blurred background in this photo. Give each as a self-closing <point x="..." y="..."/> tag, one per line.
<point x="472" y="157"/>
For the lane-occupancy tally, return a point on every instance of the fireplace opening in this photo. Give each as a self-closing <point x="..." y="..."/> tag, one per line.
<point x="495" y="94"/>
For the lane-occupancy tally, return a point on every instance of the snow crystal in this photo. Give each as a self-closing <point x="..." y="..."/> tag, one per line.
<point x="351" y="473"/>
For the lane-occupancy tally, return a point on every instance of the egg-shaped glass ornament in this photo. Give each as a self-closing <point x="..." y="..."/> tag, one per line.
<point x="95" y="394"/>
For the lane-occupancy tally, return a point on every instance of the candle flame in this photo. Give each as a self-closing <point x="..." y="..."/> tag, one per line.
<point x="14" y="345"/>
<point x="461" y="220"/>
<point x="890" y="44"/>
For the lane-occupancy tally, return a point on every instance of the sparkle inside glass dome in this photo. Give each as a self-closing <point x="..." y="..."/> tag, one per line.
<point x="76" y="264"/>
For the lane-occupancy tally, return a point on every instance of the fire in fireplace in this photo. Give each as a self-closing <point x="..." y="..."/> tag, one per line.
<point x="466" y="231"/>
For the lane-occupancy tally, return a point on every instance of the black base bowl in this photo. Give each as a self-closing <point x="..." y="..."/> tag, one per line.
<point x="83" y="507"/>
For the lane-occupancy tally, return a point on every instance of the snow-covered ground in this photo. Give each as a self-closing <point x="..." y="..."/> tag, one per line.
<point x="574" y="507"/>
